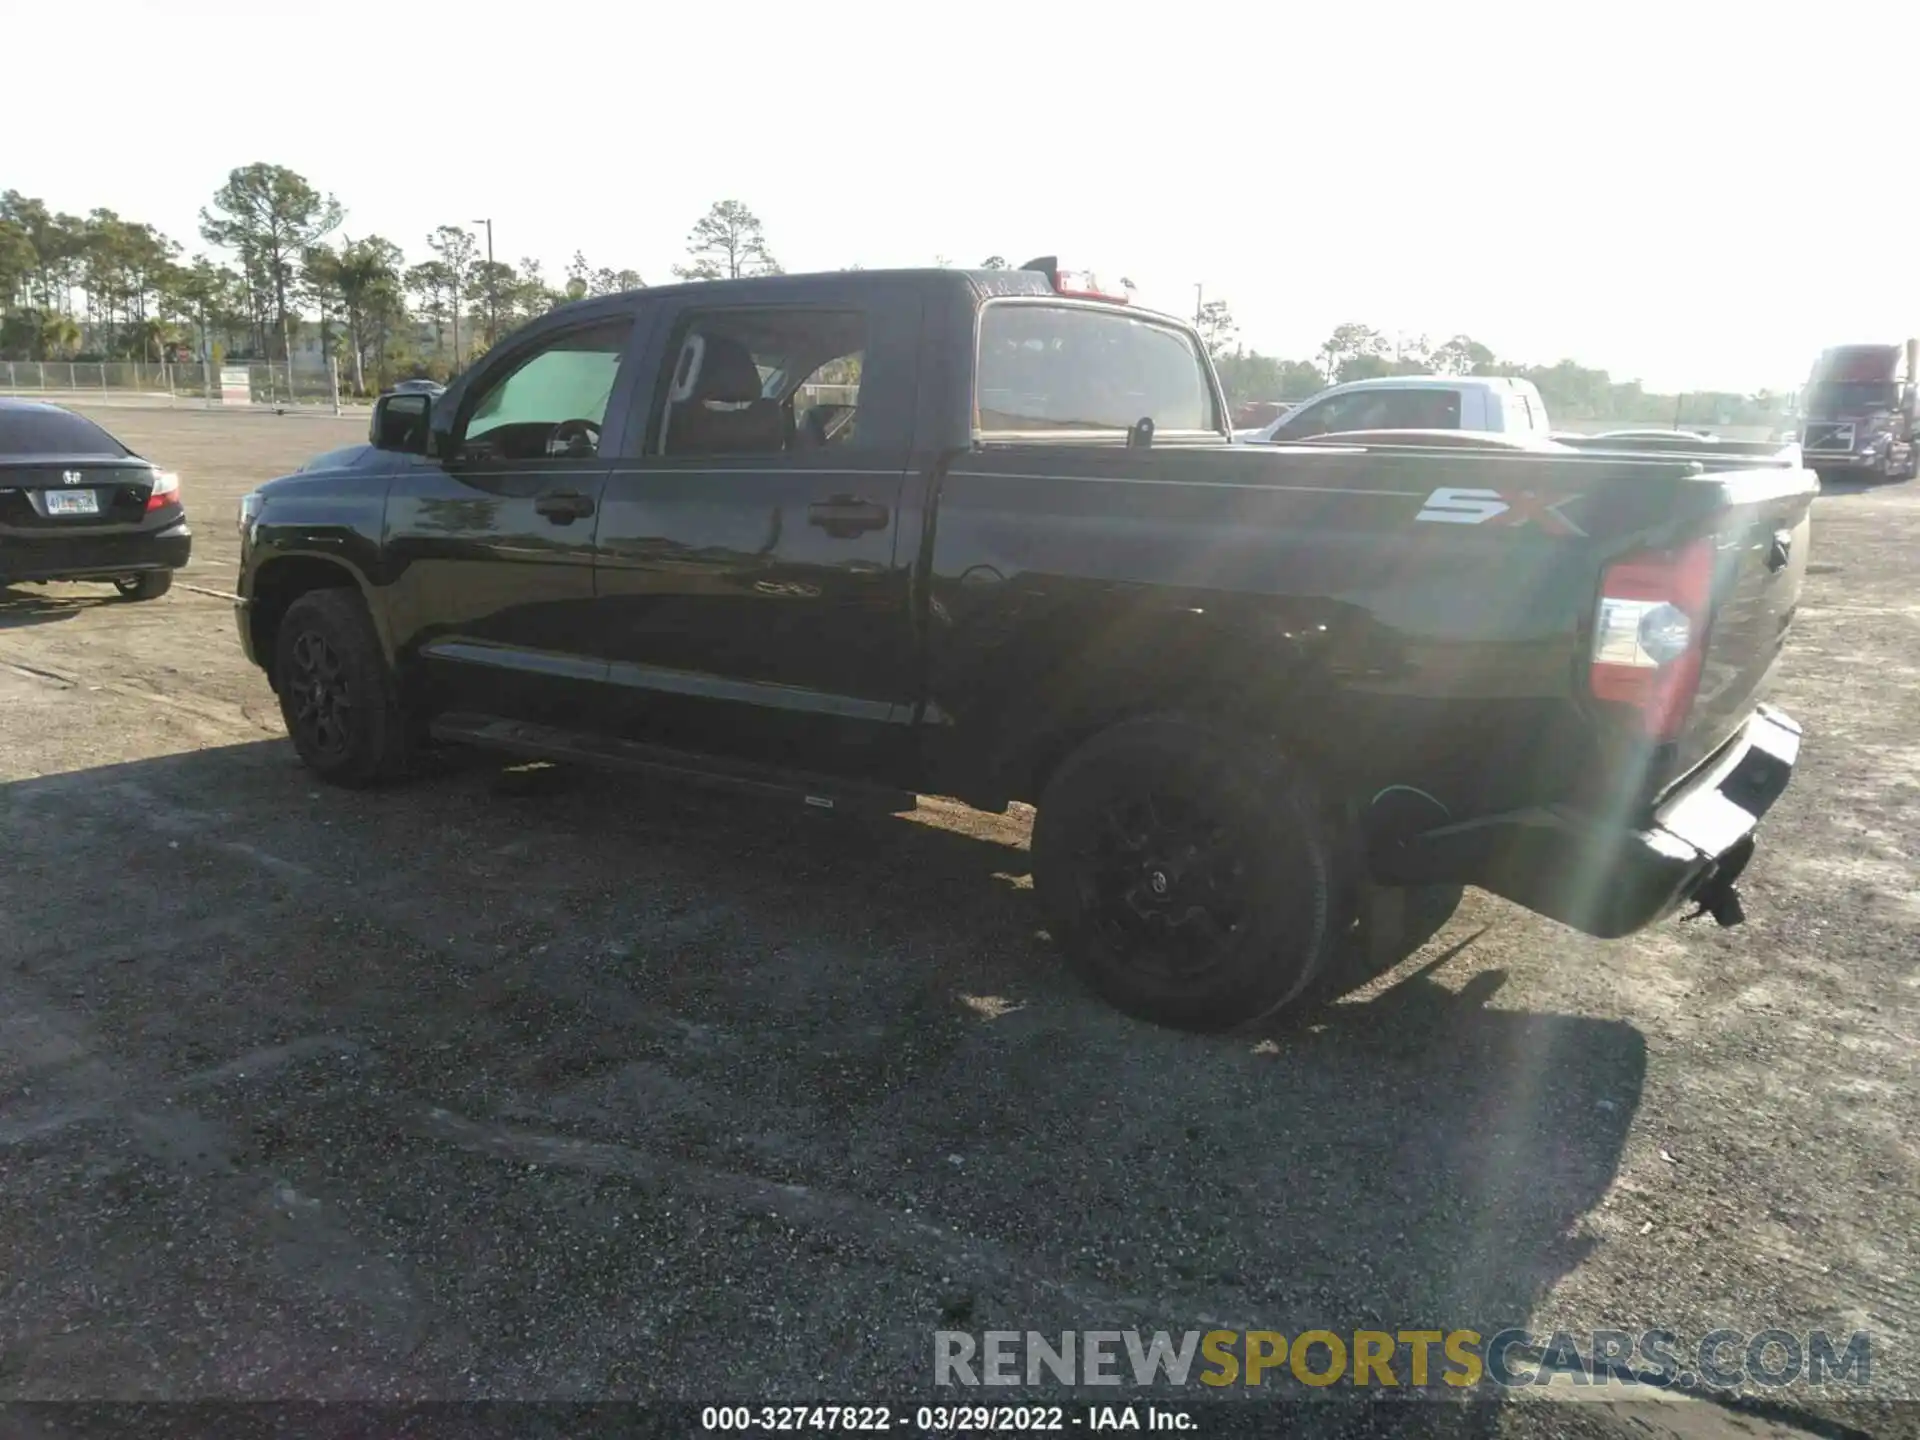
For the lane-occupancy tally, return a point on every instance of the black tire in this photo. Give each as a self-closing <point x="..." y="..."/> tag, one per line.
<point x="1389" y="924"/>
<point x="339" y="697"/>
<point x="147" y="585"/>
<point x="1191" y="878"/>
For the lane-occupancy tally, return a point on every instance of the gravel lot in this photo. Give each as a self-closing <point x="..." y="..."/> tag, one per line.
<point x="526" y="1083"/>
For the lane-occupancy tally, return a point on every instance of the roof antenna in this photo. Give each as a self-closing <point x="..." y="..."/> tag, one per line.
<point x="1140" y="437"/>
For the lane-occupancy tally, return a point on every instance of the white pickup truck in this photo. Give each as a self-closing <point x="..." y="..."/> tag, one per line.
<point x="1491" y="403"/>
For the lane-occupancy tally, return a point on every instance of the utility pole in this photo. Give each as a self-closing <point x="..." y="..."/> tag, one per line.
<point x="493" y="282"/>
<point x="1196" y="304"/>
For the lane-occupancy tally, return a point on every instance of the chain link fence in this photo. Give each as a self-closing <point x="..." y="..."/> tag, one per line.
<point x="241" y="383"/>
<point x="131" y="382"/>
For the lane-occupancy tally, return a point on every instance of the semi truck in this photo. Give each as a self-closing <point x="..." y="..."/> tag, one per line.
<point x="1859" y="412"/>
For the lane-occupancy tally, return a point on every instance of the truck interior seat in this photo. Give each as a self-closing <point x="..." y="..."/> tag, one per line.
<point x="727" y="415"/>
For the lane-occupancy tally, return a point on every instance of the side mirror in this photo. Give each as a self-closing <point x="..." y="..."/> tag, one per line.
<point x="400" y="423"/>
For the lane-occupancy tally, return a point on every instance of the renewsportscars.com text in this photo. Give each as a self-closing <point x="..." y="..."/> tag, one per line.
<point x="1405" y="1359"/>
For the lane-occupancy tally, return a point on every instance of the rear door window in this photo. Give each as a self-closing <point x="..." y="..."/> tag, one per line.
<point x="1423" y="409"/>
<point x="1378" y="409"/>
<point x="1336" y="412"/>
<point x="764" y="381"/>
<point x="1061" y="368"/>
<point x="34" y="431"/>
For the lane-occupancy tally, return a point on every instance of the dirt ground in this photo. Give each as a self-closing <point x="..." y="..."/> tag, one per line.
<point x="528" y="1083"/>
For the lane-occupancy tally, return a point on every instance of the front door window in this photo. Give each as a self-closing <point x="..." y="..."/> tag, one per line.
<point x="553" y="404"/>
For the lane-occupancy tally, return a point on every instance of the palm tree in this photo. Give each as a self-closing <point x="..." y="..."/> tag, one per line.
<point x="148" y="339"/>
<point x="59" y="336"/>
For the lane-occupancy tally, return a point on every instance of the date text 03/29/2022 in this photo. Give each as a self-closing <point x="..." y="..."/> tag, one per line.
<point x="943" y="1419"/>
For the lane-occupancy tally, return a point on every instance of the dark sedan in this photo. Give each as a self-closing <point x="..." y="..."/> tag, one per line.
<point x="76" y="504"/>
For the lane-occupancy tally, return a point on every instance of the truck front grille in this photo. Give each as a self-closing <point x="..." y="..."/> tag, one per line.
<point x="1828" y="436"/>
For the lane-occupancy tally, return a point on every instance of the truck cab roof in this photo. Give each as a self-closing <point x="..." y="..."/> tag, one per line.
<point x="975" y="284"/>
<point x="1431" y="382"/>
<point x="762" y="322"/>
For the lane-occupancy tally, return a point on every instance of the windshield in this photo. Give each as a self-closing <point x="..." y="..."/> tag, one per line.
<point x="1060" y="367"/>
<point x="1850" y="397"/>
<point x="53" y="432"/>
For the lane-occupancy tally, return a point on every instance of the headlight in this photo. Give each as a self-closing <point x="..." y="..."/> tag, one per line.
<point x="249" y="509"/>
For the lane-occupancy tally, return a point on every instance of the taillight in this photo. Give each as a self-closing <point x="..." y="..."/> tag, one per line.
<point x="1080" y="284"/>
<point x="165" y="492"/>
<point x="1085" y="285"/>
<point x="1650" y="633"/>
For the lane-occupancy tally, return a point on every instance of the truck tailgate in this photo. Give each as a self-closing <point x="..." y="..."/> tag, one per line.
<point x="1762" y="545"/>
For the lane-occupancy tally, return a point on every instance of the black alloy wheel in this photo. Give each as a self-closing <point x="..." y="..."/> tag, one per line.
<point x="339" y="694"/>
<point x="1164" y="883"/>
<point x="1189" y="874"/>
<point x="320" y="696"/>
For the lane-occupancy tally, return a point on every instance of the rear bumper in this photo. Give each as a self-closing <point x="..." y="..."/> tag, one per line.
<point x="1611" y="878"/>
<point x="95" y="557"/>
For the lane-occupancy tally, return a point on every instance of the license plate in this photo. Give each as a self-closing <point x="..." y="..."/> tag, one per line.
<point x="73" y="502"/>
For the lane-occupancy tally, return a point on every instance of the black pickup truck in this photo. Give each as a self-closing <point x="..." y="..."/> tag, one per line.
<point x="844" y="538"/>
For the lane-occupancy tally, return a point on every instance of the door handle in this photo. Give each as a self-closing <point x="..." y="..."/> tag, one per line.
<point x="563" y="507"/>
<point x="847" y="515"/>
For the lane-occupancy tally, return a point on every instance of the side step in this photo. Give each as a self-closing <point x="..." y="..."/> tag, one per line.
<point x="547" y="742"/>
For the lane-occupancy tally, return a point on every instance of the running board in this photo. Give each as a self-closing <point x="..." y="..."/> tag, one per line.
<point x="547" y="742"/>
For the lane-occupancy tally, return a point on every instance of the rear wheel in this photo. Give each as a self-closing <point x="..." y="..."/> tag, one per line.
<point x="147" y="585"/>
<point x="338" y="695"/>
<point x="1189" y="876"/>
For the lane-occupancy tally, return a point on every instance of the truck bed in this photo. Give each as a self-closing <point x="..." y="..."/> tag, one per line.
<point x="1409" y="616"/>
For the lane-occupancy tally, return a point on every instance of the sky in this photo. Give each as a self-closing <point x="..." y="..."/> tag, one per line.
<point x="1684" y="193"/>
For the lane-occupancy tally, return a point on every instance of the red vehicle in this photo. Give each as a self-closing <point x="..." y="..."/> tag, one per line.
<point x="1860" y="411"/>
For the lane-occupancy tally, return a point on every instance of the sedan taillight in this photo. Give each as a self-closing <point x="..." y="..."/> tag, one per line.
<point x="165" y="492"/>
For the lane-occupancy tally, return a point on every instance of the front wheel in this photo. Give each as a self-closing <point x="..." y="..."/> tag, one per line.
<point x="1190" y="877"/>
<point x="147" y="585"/>
<point x="338" y="695"/>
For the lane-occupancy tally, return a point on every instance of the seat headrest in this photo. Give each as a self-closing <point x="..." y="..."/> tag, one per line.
<point x="727" y="373"/>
